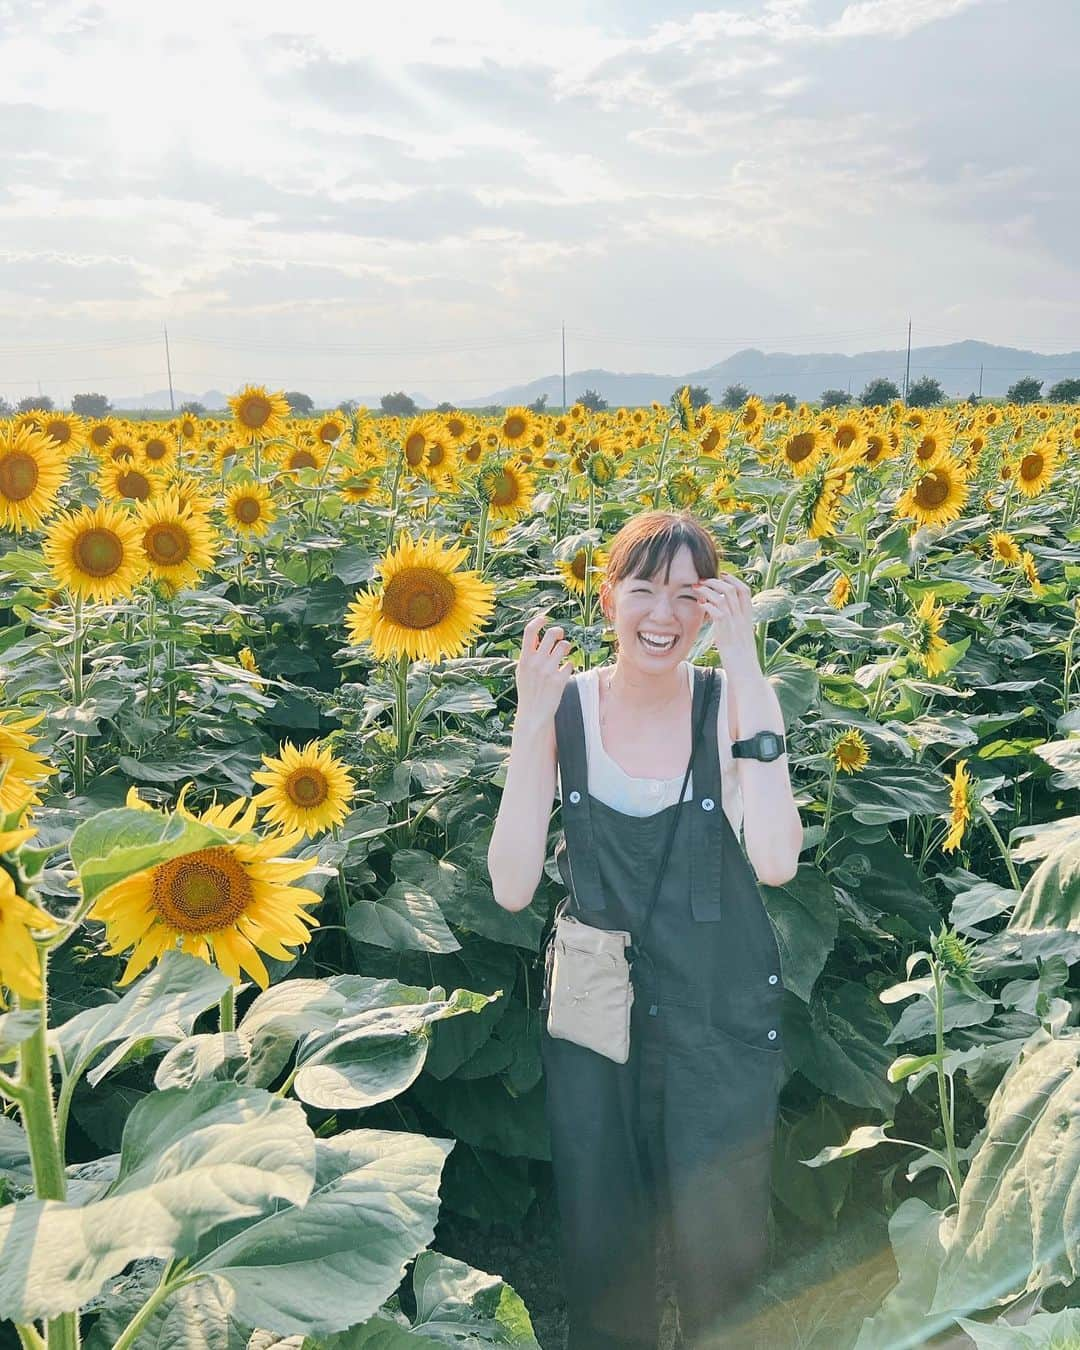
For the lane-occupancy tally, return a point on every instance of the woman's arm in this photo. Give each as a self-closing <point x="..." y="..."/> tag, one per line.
<point x="772" y="827"/>
<point x="518" y="843"/>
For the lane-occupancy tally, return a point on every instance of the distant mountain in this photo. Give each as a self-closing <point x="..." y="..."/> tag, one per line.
<point x="213" y="400"/>
<point x="805" y="375"/>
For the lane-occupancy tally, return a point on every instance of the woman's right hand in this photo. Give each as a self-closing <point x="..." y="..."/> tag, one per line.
<point x="539" y="675"/>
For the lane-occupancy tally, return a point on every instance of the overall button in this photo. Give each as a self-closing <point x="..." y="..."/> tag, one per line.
<point x="575" y="796"/>
<point x="707" y="803"/>
<point x="773" y="979"/>
<point x="772" y="1035"/>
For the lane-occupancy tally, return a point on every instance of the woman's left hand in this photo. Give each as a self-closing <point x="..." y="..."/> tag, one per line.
<point x="726" y="600"/>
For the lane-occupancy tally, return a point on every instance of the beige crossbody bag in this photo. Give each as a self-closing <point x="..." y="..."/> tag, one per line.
<point x="587" y="971"/>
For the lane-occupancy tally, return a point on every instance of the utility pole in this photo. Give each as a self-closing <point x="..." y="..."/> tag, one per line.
<point x="564" y="366"/>
<point x="168" y="367"/>
<point x="907" y="371"/>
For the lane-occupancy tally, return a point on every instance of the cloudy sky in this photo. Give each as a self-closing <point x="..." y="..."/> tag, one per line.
<point x="347" y="199"/>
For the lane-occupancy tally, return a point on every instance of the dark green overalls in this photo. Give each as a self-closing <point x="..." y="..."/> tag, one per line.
<point x="686" y="1125"/>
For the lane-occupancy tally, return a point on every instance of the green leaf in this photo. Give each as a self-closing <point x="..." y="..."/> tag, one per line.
<point x="405" y="919"/>
<point x="863" y="1137"/>
<point x="332" y="1260"/>
<point x="893" y="792"/>
<point x="1017" y="1227"/>
<point x="919" y="1236"/>
<point x="163" y="1005"/>
<point x="804" y="917"/>
<point x="190" y="1161"/>
<point x="1050" y="902"/>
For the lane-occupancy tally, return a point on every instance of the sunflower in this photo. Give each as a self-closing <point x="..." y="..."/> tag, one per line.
<point x="801" y="450"/>
<point x="124" y="480"/>
<point x="178" y="543"/>
<point x="122" y="447"/>
<point x="926" y="641"/>
<point x="683" y="489"/>
<point x="457" y="426"/>
<point x="249" y="508"/>
<point x="1036" y="468"/>
<point x="66" y="429"/>
<point x="257" y="414"/>
<point x="573" y="571"/>
<point x="1027" y="562"/>
<point x="751" y="416"/>
<point x="304" y="789"/>
<point x="96" y="553"/>
<point x="32" y="470"/>
<point x="1004" y="547"/>
<point x="849" y="752"/>
<point x="305" y="455"/>
<point x="246" y="657"/>
<point x="938" y="496"/>
<point x="187" y="427"/>
<point x="157" y="449"/>
<point x="363" y="488"/>
<point x="516" y="427"/>
<point x="101" y="433"/>
<point x="960" y="800"/>
<point x="223" y="904"/>
<point x="426" y="608"/>
<point x="21" y="770"/>
<point x="841" y="591"/>
<point x="330" y="430"/>
<point x="20" y="970"/>
<point x="419" y="434"/>
<point x="507" y="486"/>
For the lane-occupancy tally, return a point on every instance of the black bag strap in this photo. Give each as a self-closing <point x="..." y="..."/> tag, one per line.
<point x="636" y="947"/>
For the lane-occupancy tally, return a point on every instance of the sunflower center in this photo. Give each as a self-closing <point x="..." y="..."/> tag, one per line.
<point x="414" y="447"/>
<point x="436" y="455"/>
<point x="134" y="485"/>
<point x="514" y="427"/>
<point x="418" y="597"/>
<point x="255" y="412"/>
<point x="577" y="567"/>
<point x="248" y="510"/>
<point x="201" y="891"/>
<point x="456" y="427"/>
<point x="800" y="447"/>
<point x="59" y="431"/>
<point x="18" y="476"/>
<point x="101" y="436"/>
<point x="155" y="448"/>
<point x="933" y="488"/>
<point x="99" y="552"/>
<point x="166" y="543"/>
<point x="505" y="490"/>
<point x="710" y="440"/>
<point x="1030" y="467"/>
<point x="303" y="459"/>
<point x="307" y="788"/>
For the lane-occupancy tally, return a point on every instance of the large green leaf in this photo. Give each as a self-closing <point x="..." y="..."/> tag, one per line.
<point x="839" y="1045"/>
<point x="893" y="792"/>
<point x="405" y="918"/>
<point x="190" y="1160"/>
<point x="1018" y="1217"/>
<point x="919" y="1237"/>
<point x="116" y="844"/>
<point x="163" y="1006"/>
<point x="1051" y="899"/>
<point x="1044" y="1331"/>
<point x="332" y="1260"/>
<point x="803" y="912"/>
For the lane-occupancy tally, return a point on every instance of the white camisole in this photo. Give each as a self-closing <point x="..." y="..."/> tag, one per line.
<point x="643" y="796"/>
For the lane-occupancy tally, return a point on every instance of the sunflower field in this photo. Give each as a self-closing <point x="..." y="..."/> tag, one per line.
<point x="262" y="1024"/>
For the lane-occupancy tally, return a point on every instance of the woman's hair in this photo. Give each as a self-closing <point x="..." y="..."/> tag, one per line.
<point x="649" y="541"/>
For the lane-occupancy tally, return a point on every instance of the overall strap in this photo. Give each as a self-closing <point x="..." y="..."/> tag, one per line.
<point x="576" y="814"/>
<point x="707" y="819"/>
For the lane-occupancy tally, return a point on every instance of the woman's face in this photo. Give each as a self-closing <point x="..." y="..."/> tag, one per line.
<point x="658" y="608"/>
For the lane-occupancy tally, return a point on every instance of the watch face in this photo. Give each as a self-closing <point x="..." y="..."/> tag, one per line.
<point x="770" y="745"/>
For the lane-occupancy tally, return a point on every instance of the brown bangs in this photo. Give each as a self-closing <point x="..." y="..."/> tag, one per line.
<point x="648" y="542"/>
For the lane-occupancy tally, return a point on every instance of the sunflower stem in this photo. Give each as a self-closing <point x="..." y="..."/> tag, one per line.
<point x="828" y="814"/>
<point x="227" y="1010"/>
<point x="774" y="562"/>
<point x="79" y="767"/>
<point x="151" y="634"/>
<point x="157" y="1298"/>
<point x="170" y="678"/>
<point x="39" y="1121"/>
<point x="29" y="1336"/>
<point x="987" y="819"/>
<point x="394" y="495"/>
<point x="939" y="1069"/>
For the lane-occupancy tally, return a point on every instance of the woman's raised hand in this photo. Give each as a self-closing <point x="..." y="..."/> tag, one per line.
<point x="541" y="673"/>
